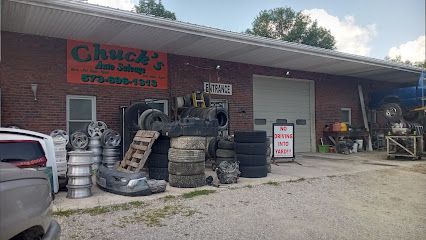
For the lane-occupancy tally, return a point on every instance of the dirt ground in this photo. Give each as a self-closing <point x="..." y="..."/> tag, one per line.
<point x="387" y="203"/>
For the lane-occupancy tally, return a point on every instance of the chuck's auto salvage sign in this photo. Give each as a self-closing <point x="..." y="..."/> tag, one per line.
<point x="283" y="146"/>
<point x="100" y="64"/>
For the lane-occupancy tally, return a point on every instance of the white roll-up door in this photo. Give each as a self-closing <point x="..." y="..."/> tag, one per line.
<point x="285" y="100"/>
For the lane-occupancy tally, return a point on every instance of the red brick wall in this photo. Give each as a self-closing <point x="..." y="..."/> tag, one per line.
<point x="30" y="59"/>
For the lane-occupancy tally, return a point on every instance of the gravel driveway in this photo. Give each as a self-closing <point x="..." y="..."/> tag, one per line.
<point x="382" y="204"/>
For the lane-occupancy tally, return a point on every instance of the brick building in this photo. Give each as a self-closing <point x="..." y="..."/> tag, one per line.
<point x="271" y="80"/>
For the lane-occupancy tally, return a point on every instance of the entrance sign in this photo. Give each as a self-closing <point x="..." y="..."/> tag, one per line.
<point x="218" y="88"/>
<point x="283" y="140"/>
<point x="101" y="64"/>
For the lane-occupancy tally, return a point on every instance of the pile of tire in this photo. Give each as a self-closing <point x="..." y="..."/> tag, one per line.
<point x="187" y="161"/>
<point x="158" y="161"/>
<point x="250" y="149"/>
<point x="268" y="154"/>
<point x="225" y="151"/>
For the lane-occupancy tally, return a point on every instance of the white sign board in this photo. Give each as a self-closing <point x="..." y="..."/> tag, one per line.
<point x="218" y="88"/>
<point x="283" y="136"/>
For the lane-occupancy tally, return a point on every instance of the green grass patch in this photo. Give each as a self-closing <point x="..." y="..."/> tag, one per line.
<point x="249" y="186"/>
<point x="197" y="193"/>
<point x="98" y="210"/>
<point x="297" y="180"/>
<point x="168" y="197"/>
<point x="153" y="217"/>
<point x="272" y="183"/>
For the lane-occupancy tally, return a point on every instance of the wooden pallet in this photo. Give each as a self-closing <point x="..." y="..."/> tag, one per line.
<point x="138" y="152"/>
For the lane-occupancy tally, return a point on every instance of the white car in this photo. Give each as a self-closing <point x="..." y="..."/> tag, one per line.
<point x="23" y="147"/>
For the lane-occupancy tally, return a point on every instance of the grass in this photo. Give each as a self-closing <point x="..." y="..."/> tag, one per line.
<point x="297" y="180"/>
<point x="249" y="186"/>
<point x="168" y="197"/>
<point x="153" y="217"/>
<point x="272" y="183"/>
<point x="197" y="193"/>
<point x="98" y="210"/>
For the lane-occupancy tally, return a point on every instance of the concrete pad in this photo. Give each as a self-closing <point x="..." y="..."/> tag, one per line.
<point x="309" y="165"/>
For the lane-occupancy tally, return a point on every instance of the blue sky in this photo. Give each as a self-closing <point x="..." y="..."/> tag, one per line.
<point x="364" y="27"/>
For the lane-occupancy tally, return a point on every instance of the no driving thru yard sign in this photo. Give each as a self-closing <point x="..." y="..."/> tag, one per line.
<point x="283" y="140"/>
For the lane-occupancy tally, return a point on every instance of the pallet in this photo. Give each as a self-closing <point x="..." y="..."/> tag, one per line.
<point x="138" y="152"/>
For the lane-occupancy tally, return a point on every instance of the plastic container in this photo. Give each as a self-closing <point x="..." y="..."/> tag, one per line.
<point x="360" y="143"/>
<point x="336" y="127"/>
<point x="323" y="148"/>
<point x="343" y="127"/>
<point x="355" y="147"/>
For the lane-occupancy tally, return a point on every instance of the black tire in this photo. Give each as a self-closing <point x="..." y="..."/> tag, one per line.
<point x="251" y="148"/>
<point x="161" y="145"/>
<point x="268" y="141"/>
<point x="186" y="169"/>
<point x="225" y="144"/>
<point x="132" y="113"/>
<point x="250" y="137"/>
<point x="212" y="147"/>
<point x="251" y="160"/>
<point x="187" y="181"/>
<point x="225" y="153"/>
<point x="254" y="172"/>
<point x="392" y="112"/>
<point x="156" y="116"/>
<point x="159" y="173"/>
<point x="156" y="160"/>
<point x="180" y="155"/>
<point x="187" y="100"/>
<point x="218" y="113"/>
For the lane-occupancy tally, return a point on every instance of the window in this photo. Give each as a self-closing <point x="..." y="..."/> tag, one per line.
<point x="162" y="105"/>
<point x="259" y="121"/>
<point x="281" y="120"/>
<point x="300" y="121"/>
<point x="81" y="110"/>
<point x="346" y="115"/>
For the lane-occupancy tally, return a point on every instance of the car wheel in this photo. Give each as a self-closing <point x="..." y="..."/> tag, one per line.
<point x="392" y="112"/>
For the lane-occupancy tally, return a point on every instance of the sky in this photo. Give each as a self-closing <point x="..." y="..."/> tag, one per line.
<point x="373" y="28"/>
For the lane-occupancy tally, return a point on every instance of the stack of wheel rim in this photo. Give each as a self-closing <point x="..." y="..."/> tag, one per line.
<point x="250" y="149"/>
<point x="268" y="154"/>
<point x="79" y="167"/>
<point x="60" y="141"/>
<point x="111" y="148"/>
<point x="95" y="130"/>
<point x="158" y="161"/>
<point x="187" y="161"/>
<point x="225" y="151"/>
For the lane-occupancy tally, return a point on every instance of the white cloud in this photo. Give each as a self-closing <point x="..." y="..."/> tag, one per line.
<point x="350" y="37"/>
<point x="120" y="4"/>
<point x="413" y="51"/>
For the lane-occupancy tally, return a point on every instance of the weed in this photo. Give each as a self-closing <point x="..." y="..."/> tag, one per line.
<point x="153" y="217"/>
<point x="297" y="180"/>
<point x="272" y="183"/>
<point x="168" y="197"/>
<point x="197" y="193"/>
<point x="98" y="210"/>
<point x="249" y="186"/>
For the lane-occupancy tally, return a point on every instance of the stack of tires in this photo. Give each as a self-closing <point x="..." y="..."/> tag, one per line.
<point x="225" y="151"/>
<point x="268" y="154"/>
<point x="250" y="149"/>
<point x="187" y="161"/>
<point x="158" y="159"/>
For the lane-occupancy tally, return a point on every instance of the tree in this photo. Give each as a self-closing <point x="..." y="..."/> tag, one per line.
<point x="398" y="59"/>
<point x="152" y="8"/>
<point x="288" y="25"/>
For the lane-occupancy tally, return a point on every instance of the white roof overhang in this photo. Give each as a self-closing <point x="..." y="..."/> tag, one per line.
<point x="81" y="21"/>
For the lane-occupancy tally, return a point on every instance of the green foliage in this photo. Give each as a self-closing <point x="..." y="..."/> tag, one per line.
<point x="288" y="25"/>
<point x="98" y="210"/>
<point x="152" y="8"/>
<point x="197" y="193"/>
<point x="398" y="59"/>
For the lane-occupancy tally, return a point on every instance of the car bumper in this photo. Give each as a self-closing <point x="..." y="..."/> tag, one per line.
<point x="53" y="232"/>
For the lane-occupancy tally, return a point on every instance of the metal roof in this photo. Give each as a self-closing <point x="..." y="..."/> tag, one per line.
<point x="82" y="21"/>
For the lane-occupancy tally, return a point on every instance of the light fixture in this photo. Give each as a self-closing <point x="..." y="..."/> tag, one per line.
<point x="287" y="73"/>
<point x="34" y="90"/>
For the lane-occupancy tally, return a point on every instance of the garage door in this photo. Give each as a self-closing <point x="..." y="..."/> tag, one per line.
<point x="283" y="100"/>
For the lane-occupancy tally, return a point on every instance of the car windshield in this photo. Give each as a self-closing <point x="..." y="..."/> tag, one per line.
<point x="20" y="151"/>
